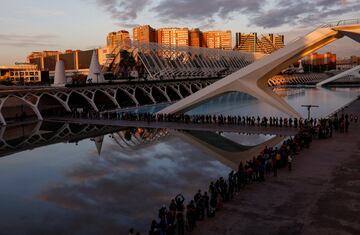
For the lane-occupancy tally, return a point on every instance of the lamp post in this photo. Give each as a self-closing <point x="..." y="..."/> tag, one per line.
<point x="309" y="108"/>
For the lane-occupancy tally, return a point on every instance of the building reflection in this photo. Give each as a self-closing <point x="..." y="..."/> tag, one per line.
<point x="139" y="170"/>
<point x="17" y="138"/>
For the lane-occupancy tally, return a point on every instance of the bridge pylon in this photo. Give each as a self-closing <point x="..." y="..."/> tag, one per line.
<point x="253" y="79"/>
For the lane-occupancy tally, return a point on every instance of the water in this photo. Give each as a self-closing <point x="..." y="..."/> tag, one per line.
<point x="89" y="186"/>
<point x="236" y="103"/>
<point x="71" y="187"/>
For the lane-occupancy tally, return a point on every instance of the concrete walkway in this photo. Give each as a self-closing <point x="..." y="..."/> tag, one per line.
<point x="320" y="196"/>
<point x="283" y="131"/>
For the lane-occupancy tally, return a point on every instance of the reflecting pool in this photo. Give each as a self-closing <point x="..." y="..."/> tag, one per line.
<point x="102" y="184"/>
<point x="236" y="103"/>
<point x="59" y="178"/>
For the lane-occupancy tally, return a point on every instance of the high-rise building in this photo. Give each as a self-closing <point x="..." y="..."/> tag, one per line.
<point x="319" y="62"/>
<point x="279" y="41"/>
<point x="218" y="39"/>
<point x="173" y="36"/>
<point x="144" y="34"/>
<point x="196" y="38"/>
<point x="247" y="42"/>
<point x="250" y="42"/>
<point x="118" y="39"/>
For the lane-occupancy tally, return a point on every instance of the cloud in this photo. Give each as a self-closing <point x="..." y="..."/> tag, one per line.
<point x="20" y="40"/>
<point x="204" y="9"/>
<point x="302" y="12"/>
<point x="131" y="185"/>
<point x="123" y="10"/>
<point x="260" y="13"/>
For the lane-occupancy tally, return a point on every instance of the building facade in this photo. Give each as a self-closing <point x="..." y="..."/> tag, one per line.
<point x="319" y="62"/>
<point x="217" y="40"/>
<point x="196" y="37"/>
<point x="173" y="36"/>
<point x="251" y="42"/>
<point x="347" y="63"/>
<point x="118" y="39"/>
<point x="73" y="59"/>
<point x="20" y="73"/>
<point x="144" y="34"/>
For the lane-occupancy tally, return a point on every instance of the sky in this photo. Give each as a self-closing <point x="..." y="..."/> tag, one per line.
<point x="36" y="25"/>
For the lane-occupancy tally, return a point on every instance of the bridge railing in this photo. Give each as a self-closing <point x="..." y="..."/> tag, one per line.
<point x="328" y="25"/>
<point x="340" y="23"/>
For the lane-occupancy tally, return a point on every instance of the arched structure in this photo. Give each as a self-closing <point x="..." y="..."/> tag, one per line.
<point x="230" y="153"/>
<point x="16" y="138"/>
<point x="167" y="62"/>
<point x="98" y="97"/>
<point x="253" y="79"/>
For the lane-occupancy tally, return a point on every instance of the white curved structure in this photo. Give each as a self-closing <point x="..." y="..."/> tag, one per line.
<point x="60" y="78"/>
<point x="354" y="72"/>
<point x="33" y="97"/>
<point x="95" y="73"/>
<point x="253" y="79"/>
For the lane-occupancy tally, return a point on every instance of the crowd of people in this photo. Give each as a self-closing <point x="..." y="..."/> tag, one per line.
<point x="339" y="123"/>
<point x="178" y="218"/>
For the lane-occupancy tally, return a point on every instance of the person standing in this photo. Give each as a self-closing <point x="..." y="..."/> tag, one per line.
<point x="274" y="165"/>
<point x="289" y="161"/>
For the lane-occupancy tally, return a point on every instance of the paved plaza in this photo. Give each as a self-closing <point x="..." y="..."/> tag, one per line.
<point x="320" y="196"/>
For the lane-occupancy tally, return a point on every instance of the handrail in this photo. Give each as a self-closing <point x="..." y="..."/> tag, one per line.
<point x="329" y="25"/>
<point x="340" y="23"/>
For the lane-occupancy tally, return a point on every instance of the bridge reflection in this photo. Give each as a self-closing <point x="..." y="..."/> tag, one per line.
<point x="225" y="150"/>
<point x="30" y="135"/>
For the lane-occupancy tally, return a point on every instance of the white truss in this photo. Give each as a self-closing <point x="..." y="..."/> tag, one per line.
<point x="38" y="137"/>
<point x="32" y="97"/>
<point x="253" y="79"/>
<point x="163" y="62"/>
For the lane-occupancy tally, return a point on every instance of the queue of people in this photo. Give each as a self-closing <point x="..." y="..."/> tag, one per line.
<point x="341" y="122"/>
<point x="177" y="218"/>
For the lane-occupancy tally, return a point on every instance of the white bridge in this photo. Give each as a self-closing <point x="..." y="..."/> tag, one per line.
<point x="354" y="73"/>
<point x="253" y="79"/>
<point x="202" y="67"/>
<point x="37" y="101"/>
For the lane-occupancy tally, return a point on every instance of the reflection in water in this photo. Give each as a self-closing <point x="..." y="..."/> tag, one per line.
<point x="70" y="189"/>
<point x="130" y="187"/>
<point x="239" y="104"/>
<point x="61" y="178"/>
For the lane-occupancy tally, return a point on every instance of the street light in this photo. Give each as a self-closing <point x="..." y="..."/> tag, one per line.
<point x="309" y="108"/>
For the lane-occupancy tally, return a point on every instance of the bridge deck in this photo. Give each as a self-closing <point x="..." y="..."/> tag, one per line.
<point x="283" y="131"/>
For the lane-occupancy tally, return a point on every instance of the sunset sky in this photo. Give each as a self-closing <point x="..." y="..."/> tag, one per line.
<point x="36" y="25"/>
